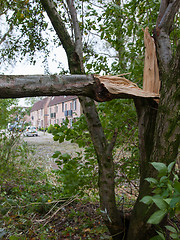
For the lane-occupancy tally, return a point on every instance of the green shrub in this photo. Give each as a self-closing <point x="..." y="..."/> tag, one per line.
<point x="50" y="128"/>
<point x="166" y="197"/>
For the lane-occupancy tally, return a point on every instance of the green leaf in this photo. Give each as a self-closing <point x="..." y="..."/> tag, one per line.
<point x="66" y="156"/>
<point x="160" y="203"/>
<point x="175" y="201"/>
<point x="170" y="187"/>
<point x="56" y="154"/>
<point x="175" y="236"/>
<point x="157" y="237"/>
<point x="146" y="200"/>
<point x="56" y="138"/>
<point x="151" y="180"/>
<point x="160" y="167"/>
<point x="161" y="235"/>
<point x="171" y="229"/>
<point x="177" y="187"/>
<point x="168" y="200"/>
<point x="170" y="166"/>
<point x="163" y="179"/>
<point x="157" y="217"/>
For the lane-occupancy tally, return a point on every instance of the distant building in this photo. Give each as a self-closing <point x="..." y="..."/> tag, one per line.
<point x="53" y="110"/>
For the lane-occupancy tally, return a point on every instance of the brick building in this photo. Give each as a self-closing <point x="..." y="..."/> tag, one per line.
<point x="53" y="110"/>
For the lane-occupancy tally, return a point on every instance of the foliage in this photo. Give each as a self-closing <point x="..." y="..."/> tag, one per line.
<point x="10" y="150"/>
<point x="25" y="24"/>
<point x="28" y="198"/>
<point x="119" y="26"/>
<point x="6" y="111"/>
<point x="32" y="100"/>
<point x="79" y="172"/>
<point x="166" y="189"/>
<point x="50" y="128"/>
<point x="25" y="188"/>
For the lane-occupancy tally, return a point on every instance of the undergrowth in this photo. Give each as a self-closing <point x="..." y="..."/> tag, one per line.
<point x="32" y="206"/>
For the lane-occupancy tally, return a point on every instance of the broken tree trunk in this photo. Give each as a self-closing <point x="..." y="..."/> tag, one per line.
<point x="151" y="81"/>
<point x="100" y="88"/>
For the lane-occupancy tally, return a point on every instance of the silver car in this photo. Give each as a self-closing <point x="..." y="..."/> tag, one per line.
<point x="31" y="131"/>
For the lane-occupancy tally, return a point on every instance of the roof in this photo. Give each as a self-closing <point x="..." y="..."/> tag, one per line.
<point x="60" y="99"/>
<point x="39" y="105"/>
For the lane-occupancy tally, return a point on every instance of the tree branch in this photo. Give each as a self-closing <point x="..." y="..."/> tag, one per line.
<point x="168" y="16"/>
<point x="167" y="12"/>
<point x="162" y="9"/>
<point x="78" y="36"/>
<point x="6" y="34"/>
<point x="113" y="141"/>
<point x="95" y="87"/>
<point x="60" y="29"/>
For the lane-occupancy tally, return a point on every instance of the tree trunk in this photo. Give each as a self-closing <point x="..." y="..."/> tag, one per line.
<point x="102" y="148"/>
<point x="159" y="132"/>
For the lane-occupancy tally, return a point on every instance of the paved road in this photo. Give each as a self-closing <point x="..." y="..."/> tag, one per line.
<point x="44" y="147"/>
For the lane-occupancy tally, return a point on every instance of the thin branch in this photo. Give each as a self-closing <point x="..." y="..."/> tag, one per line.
<point x="78" y="36"/>
<point x="113" y="141"/>
<point x="162" y="9"/>
<point x="6" y="34"/>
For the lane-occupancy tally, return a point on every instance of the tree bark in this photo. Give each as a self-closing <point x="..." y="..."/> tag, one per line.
<point x="42" y="85"/>
<point x="159" y="133"/>
<point x="95" y="87"/>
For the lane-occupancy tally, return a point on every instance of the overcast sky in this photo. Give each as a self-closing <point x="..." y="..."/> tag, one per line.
<point x="25" y="68"/>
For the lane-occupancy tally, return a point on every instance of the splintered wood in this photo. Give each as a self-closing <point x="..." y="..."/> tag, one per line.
<point x="121" y="85"/>
<point x="151" y="82"/>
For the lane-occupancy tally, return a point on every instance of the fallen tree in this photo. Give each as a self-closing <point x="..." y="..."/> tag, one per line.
<point x="100" y="88"/>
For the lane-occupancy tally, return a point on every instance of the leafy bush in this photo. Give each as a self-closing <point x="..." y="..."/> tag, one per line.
<point x="10" y="148"/>
<point x="80" y="172"/>
<point x="76" y="173"/>
<point x="166" y="197"/>
<point x="50" y="128"/>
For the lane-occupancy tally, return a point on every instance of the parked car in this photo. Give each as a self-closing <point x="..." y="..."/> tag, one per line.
<point x="30" y="131"/>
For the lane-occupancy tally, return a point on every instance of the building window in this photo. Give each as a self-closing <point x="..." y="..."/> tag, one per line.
<point x="53" y="115"/>
<point x="71" y="106"/>
<point x="62" y="106"/>
<point x="50" y="110"/>
<point x="56" y="108"/>
<point x="65" y="107"/>
<point x="75" y="105"/>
